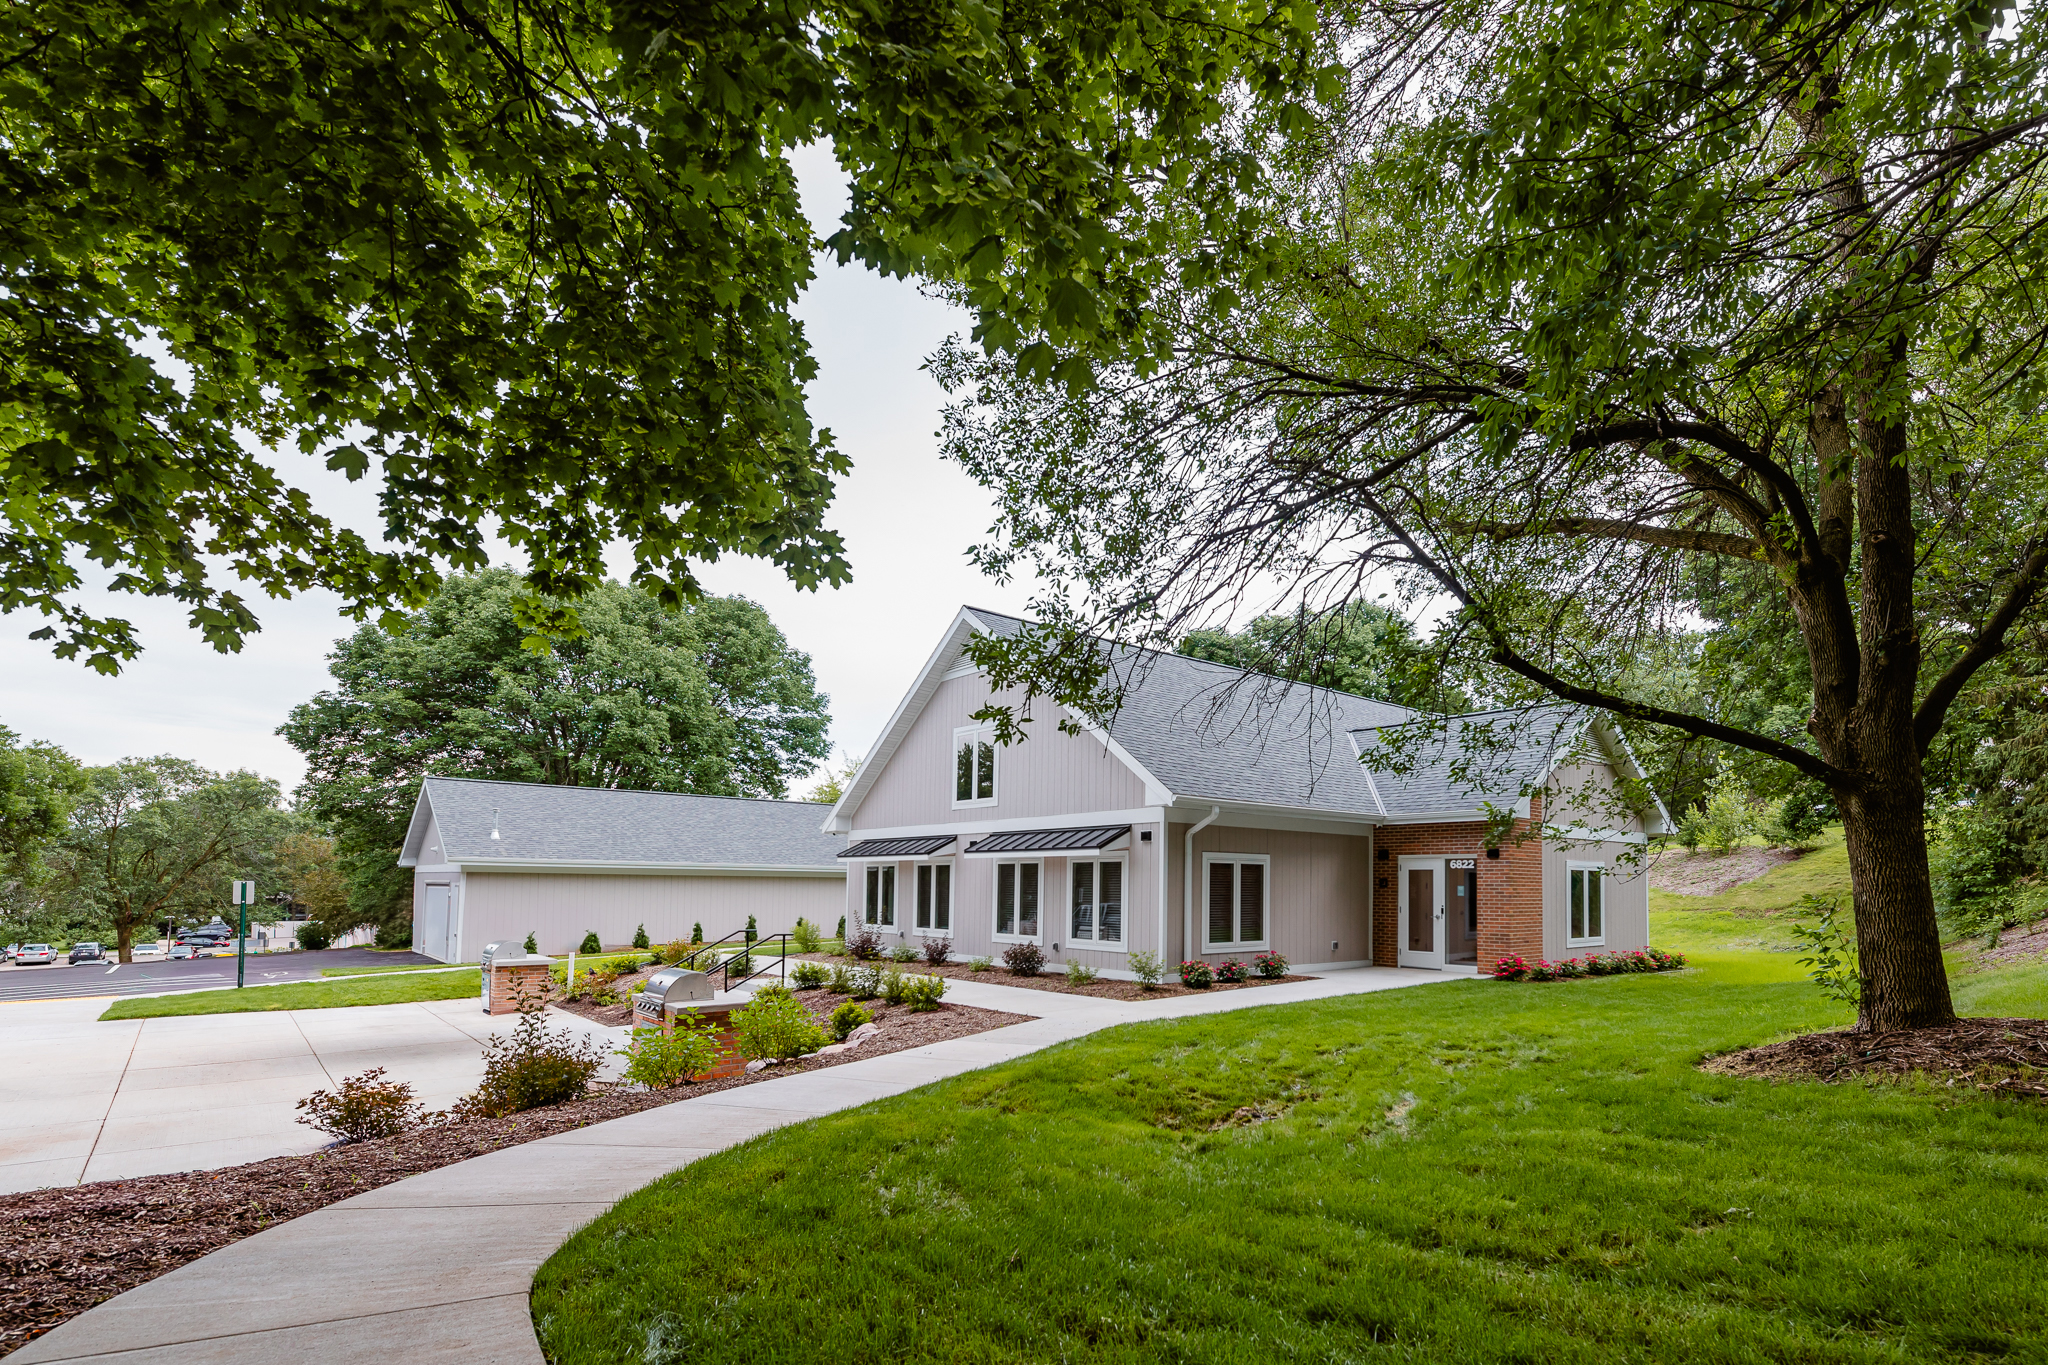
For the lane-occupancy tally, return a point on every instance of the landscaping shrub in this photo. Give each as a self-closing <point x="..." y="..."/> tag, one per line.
<point x="590" y="943"/>
<point x="1197" y="974"/>
<point x="774" y="990"/>
<point x="595" y="985"/>
<point x="805" y="937"/>
<point x="981" y="964"/>
<point x="779" y="1026"/>
<point x="697" y="933"/>
<point x="1594" y="964"/>
<point x="1271" y="966"/>
<point x="903" y="952"/>
<point x="863" y="945"/>
<point x="842" y="980"/>
<point x="1148" y="967"/>
<point x="672" y="954"/>
<point x="660" y="1060"/>
<point x="937" y="950"/>
<point x="1231" y="972"/>
<point x="840" y="934"/>
<point x="314" y="935"/>
<point x="532" y="944"/>
<point x="640" y="939"/>
<point x="867" y="983"/>
<point x="364" y="1106"/>
<point x="922" y="993"/>
<point x="738" y="966"/>
<point x="1080" y="974"/>
<point x="530" y="1067"/>
<point x="1024" y="959"/>
<point x="846" y="1019"/>
<point x="752" y="932"/>
<point x="890" y="985"/>
<point x="809" y="975"/>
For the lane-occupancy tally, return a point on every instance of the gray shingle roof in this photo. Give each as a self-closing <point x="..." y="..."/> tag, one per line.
<point x="538" y="822"/>
<point x="1210" y="731"/>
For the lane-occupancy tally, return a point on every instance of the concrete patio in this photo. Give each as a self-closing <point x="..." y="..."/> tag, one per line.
<point x="109" y="1101"/>
<point x="437" y="1267"/>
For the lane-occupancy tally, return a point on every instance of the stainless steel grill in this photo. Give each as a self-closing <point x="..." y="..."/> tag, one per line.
<point x="670" y="988"/>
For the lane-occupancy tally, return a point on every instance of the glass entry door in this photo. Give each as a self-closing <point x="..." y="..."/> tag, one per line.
<point x="1461" y="913"/>
<point x="1422" y="912"/>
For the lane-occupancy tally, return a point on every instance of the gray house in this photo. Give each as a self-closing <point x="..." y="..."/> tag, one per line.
<point x="1223" y="814"/>
<point x="500" y="860"/>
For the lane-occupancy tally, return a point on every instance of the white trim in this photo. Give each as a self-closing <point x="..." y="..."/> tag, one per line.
<point x="1097" y="945"/>
<point x="976" y="735"/>
<point x="1569" y="941"/>
<point x="1006" y="824"/>
<point x="995" y="890"/>
<point x="1253" y="815"/>
<point x="1211" y="947"/>
<point x="1404" y="956"/>
<point x="626" y="869"/>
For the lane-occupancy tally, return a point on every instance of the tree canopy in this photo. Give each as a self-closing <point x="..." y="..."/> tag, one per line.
<point x="1575" y="299"/>
<point x="707" y="699"/>
<point x="39" y="785"/>
<point x="1361" y="648"/>
<point x="532" y="267"/>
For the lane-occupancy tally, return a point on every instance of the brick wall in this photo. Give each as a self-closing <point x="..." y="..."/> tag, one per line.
<point x="1510" y="887"/>
<point x="511" y="985"/>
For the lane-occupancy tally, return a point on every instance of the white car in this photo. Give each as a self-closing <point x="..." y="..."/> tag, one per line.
<point x="36" y="953"/>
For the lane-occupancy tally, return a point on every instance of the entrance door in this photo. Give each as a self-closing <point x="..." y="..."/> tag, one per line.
<point x="1422" y="912"/>
<point x="434" y="923"/>
<point x="1461" y="913"/>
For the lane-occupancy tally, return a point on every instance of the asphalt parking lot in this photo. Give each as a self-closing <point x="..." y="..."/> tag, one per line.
<point x="154" y="976"/>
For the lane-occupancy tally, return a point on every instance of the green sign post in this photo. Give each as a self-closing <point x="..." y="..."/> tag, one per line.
<point x="245" y="892"/>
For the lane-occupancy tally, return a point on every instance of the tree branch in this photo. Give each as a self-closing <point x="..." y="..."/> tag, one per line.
<point x="1602" y="528"/>
<point x="1990" y="642"/>
<point x="1509" y="658"/>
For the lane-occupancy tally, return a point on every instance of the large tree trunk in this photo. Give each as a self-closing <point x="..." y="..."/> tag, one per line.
<point x="124" y="940"/>
<point x="1904" y="982"/>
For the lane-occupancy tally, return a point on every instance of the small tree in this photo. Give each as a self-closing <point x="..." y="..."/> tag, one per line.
<point x="640" y="939"/>
<point x="752" y="932"/>
<point x="590" y="943"/>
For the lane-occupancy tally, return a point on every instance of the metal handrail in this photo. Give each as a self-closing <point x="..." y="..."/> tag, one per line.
<point x="781" y="960"/>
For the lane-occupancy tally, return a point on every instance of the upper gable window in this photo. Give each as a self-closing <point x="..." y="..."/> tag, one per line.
<point x="974" y="766"/>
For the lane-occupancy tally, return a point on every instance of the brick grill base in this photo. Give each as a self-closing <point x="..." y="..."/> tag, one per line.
<point x="510" y="985"/>
<point x="1510" y="887"/>
<point x="731" y="1062"/>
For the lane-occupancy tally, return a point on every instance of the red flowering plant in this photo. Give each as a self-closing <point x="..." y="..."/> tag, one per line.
<point x="1569" y="968"/>
<point x="1232" y="972"/>
<point x="1510" y="969"/>
<point x="1272" y="966"/>
<point x="1593" y="964"/>
<point x="1197" y="975"/>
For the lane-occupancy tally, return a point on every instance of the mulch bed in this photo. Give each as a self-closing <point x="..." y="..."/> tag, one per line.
<point x="999" y="975"/>
<point x="63" y="1250"/>
<point x="2000" y="1056"/>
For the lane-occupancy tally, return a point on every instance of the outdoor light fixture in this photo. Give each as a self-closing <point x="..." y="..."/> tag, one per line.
<point x="1493" y="853"/>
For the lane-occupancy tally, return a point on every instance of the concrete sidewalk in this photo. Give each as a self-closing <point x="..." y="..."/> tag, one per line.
<point x="111" y="1101"/>
<point x="438" y="1267"/>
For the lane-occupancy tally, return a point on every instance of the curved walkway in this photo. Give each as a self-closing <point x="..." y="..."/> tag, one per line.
<point x="437" y="1266"/>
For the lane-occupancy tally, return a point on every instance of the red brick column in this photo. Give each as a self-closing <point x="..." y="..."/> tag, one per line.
<point x="511" y="985"/>
<point x="1510" y="886"/>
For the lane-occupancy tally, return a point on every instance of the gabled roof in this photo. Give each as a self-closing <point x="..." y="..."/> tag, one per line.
<point x="539" y="823"/>
<point x="1197" y="731"/>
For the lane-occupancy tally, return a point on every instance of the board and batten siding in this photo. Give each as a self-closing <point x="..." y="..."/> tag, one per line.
<point x="1626" y="896"/>
<point x="974" y="905"/>
<point x="1582" y="793"/>
<point x="1320" y="891"/>
<point x="561" y="907"/>
<point x="1051" y="774"/>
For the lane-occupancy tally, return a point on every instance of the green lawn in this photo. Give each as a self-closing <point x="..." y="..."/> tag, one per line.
<point x="1753" y="915"/>
<point x="408" y="967"/>
<point x="304" y="995"/>
<point x="1470" y="1171"/>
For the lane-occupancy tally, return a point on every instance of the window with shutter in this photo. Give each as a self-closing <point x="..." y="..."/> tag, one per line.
<point x="1237" y="912"/>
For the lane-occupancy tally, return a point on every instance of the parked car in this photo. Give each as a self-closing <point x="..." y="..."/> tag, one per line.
<point x="34" y="954"/>
<point x="87" y="952"/>
<point x="180" y="951"/>
<point x="12" y="949"/>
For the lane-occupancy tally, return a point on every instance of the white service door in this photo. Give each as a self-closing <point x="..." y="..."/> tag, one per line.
<point x="1422" y="912"/>
<point x="434" y="923"/>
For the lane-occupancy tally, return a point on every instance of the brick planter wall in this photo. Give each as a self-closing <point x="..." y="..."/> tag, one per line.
<point x="1510" y="887"/>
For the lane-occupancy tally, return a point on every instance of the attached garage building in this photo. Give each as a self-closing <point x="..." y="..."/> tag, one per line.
<point x="499" y="860"/>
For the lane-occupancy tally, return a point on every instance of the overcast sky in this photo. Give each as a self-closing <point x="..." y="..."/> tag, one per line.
<point x="907" y="516"/>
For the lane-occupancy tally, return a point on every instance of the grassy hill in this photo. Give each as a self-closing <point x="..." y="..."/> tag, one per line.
<point x="1754" y="914"/>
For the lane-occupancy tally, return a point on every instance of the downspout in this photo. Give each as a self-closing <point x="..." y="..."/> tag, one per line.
<point x="1187" y="884"/>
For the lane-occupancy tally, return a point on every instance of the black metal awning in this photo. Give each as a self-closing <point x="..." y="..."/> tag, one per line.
<point x="918" y="846"/>
<point x="1050" y="840"/>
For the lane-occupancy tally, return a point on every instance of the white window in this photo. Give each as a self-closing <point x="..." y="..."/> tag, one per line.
<point x="881" y="910"/>
<point x="935" y="898"/>
<point x="1098" y="903"/>
<point x="1235" y="910"/>
<point x="1017" y="900"/>
<point x="1587" y="904"/>
<point x="974" y="766"/>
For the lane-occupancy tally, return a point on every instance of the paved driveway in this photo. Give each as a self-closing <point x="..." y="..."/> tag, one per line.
<point x="157" y="975"/>
<point x="84" y="1100"/>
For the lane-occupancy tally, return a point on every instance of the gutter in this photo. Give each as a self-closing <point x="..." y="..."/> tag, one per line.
<point x="1187" y="883"/>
